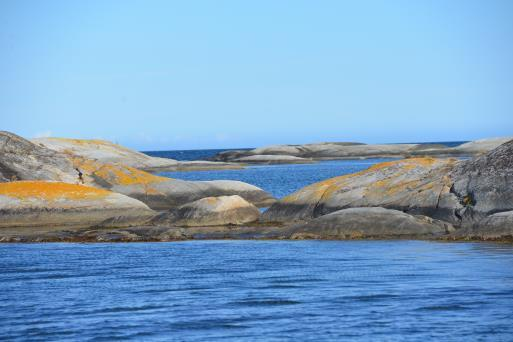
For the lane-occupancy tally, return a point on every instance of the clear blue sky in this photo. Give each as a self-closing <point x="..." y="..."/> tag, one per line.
<point x="208" y="74"/>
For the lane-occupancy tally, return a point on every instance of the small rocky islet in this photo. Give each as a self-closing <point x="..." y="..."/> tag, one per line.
<point x="42" y="197"/>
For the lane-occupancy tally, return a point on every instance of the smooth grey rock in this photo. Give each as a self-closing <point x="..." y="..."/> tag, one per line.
<point x="415" y="185"/>
<point x="22" y="160"/>
<point x="29" y="161"/>
<point x="355" y="223"/>
<point x="162" y="193"/>
<point x="328" y="150"/>
<point x="211" y="211"/>
<point x="273" y="159"/>
<point x="484" y="185"/>
<point x="55" y="204"/>
<point x="480" y="146"/>
<point x="498" y="226"/>
<point x="108" y="152"/>
<point x="105" y="152"/>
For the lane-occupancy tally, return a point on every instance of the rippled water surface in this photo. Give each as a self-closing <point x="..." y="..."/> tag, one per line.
<point x="257" y="290"/>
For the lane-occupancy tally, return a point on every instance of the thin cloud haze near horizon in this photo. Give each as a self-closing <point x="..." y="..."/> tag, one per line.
<point x="156" y="75"/>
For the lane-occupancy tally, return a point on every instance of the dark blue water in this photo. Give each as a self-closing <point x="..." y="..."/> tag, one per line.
<point x="283" y="179"/>
<point x="257" y="290"/>
<point x="188" y="154"/>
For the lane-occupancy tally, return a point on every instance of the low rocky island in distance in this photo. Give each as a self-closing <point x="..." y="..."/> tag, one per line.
<point x="308" y="153"/>
<point x="412" y="198"/>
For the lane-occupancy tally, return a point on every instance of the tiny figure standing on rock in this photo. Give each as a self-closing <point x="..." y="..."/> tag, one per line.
<point x="80" y="178"/>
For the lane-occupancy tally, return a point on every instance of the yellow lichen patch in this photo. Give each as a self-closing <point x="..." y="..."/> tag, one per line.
<point x="211" y="200"/>
<point x="151" y="191"/>
<point x="388" y="187"/>
<point x="125" y="175"/>
<point x="82" y="141"/>
<point x="408" y="164"/>
<point x="86" y="165"/>
<point x="50" y="190"/>
<point x="116" y="174"/>
<point x="326" y="188"/>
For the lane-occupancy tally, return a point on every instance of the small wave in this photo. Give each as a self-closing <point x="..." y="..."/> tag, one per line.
<point x="449" y="307"/>
<point x="266" y="302"/>
<point x="280" y="286"/>
<point x="370" y="297"/>
<point x="117" y="309"/>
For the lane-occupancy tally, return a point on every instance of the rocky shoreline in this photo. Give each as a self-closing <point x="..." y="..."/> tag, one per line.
<point x="307" y="153"/>
<point x="177" y="234"/>
<point x="82" y="195"/>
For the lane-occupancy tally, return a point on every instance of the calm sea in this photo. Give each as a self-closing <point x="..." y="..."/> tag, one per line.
<point x="279" y="180"/>
<point x="257" y="291"/>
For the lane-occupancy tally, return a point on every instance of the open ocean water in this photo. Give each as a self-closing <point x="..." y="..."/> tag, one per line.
<point x="258" y="290"/>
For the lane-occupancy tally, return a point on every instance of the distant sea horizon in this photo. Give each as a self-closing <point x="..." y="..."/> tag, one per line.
<point x="202" y="154"/>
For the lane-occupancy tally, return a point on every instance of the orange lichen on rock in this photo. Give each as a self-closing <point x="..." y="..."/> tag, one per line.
<point x="125" y="175"/>
<point x="82" y="141"/>
<point x="50" y="190"/>
<point x="408" y="163"/>
<point x="390" y="170"/>
<point x="115" y="173"/>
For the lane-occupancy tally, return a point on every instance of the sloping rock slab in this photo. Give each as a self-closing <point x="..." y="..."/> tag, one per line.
<point x="105" y="152"/>
<point x="42" y="204"/>
<point x="21" y="159"/>
<point x="498" y="226"/>
<point x="415" y="185"/>
<point x="485" y="184"/>
<point x="162" y="193"/>
<point x="211" y="211"/>
<point x="359" y="223"/>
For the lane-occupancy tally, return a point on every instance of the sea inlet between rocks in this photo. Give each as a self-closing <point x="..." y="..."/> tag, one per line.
<point x="258" y="290"/>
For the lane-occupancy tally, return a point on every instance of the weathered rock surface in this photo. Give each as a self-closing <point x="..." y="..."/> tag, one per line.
<point x="211" y="211"/>
<point x="494" y="227"/>
<point x="108" y="152"/>
<point x="485" y="184"/>
<point x="328" y="150"/>
<point x="199" y="165"/>
<point x="29" y="161"/>
<point x="273" y="159"/>
<point x="105" y="152"/>
<point x="415" y="185"/>
<point x="480" y="146"/>
<point x="21" y="159"/>
<point x="470" y="194"/>
<point x="357" y="223"/>
<point x="162" y="193"/>
<point x="44" y="203"/>
<point x="143" y="233"/>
